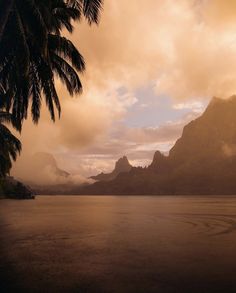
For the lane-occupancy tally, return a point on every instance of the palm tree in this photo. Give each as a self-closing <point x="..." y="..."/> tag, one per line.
<point x="63" y="60"/>
<point x="89" y="8"/>
<point x="10" y="146"/>
<point x="33" y="52"/>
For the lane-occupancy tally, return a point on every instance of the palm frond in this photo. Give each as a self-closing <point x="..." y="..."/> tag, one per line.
<point x="91" y="9"/>
<point x="67" y="74"/>
<point x="10" y="147"/>
<point x="66" y="49"/>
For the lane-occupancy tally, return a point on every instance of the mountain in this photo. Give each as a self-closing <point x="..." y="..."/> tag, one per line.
<point x="48" y="178"/>
<point x="42" y="170"/>
<point x="41" y="161"/>
<point x="121" y="166"/>
<point x="203" y="160"/>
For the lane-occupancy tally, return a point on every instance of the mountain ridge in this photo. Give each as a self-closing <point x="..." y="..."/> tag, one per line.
<point x="202" y="161"/>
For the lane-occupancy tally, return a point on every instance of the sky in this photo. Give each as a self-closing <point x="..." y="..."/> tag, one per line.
<point x="151" y="67"/>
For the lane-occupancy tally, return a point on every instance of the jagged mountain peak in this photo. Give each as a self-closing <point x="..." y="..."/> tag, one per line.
<point x="121" y="166"/>
<point x="158" y="160"/>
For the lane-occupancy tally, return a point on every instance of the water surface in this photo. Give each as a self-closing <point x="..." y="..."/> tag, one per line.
<point x="118" y="244"/>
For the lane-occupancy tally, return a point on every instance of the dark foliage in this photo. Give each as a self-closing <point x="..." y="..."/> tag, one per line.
<point x="10" y="146"/>
<point x="33" y="52"/>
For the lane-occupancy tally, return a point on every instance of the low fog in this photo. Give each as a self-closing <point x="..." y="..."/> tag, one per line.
<point x="43" y="169"/>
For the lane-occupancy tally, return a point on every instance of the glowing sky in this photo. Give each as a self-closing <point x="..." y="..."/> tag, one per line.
<point x="152" y="66"/>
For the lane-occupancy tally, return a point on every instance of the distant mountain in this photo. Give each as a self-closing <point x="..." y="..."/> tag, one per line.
<point x="43" y="171"/>
<point x="43" y="160"/>
<point x="50" y="179"/>
<point x="203" y="160"/>
<point x="121" y="166"/>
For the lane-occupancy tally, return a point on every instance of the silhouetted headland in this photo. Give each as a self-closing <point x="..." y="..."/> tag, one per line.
<point x="13" y="189"/>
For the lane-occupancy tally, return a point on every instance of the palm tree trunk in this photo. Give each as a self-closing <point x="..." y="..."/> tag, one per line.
<point x="5" y="7"/>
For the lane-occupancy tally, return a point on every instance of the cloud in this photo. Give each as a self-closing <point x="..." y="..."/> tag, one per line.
<point x="176" y="44"/>
<point x="85" y="120"/>
<point x="182" y="49"/>
<point x="218" y="13"/>
<point x="89" y="117"/>
<point x="43" y="169"/>
<point x="139" y="144"/>
<point x="196" y="106"/>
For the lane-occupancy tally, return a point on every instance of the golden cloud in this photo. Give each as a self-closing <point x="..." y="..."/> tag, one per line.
<point x="185" y="48"/>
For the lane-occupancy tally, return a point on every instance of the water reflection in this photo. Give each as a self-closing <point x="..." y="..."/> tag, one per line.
<point x="119" y="244"/>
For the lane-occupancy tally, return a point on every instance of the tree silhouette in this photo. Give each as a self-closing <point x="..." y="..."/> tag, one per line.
<point x="10" y="146"/>
<point x="33" y="51"/>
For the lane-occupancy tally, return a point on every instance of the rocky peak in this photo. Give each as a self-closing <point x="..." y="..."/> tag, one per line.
<point x="159" y="160"/>
<point x="123" y="165"/>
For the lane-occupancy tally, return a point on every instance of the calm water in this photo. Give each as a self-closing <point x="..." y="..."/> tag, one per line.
<point x="118" y="244"/>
